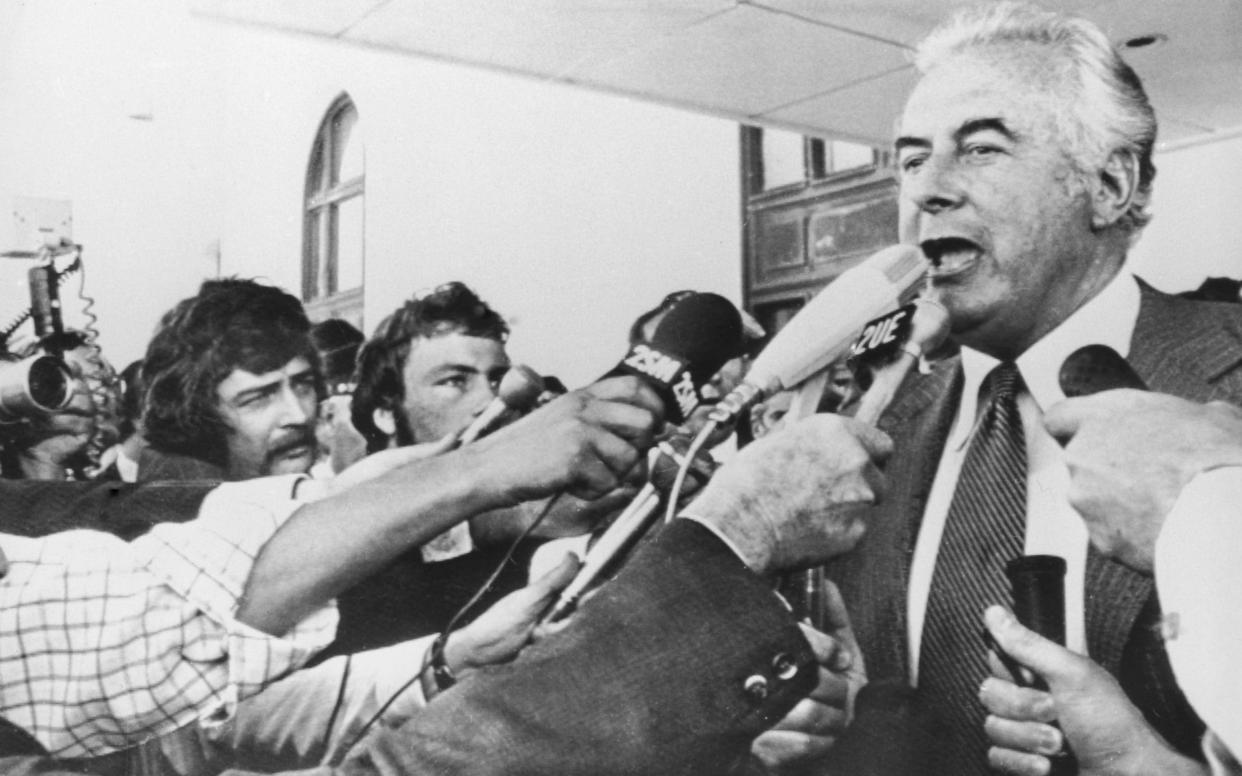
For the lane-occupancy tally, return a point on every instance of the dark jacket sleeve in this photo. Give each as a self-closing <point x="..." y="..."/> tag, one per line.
<point x="32" y="508"/>
<point x="670" y="669"/>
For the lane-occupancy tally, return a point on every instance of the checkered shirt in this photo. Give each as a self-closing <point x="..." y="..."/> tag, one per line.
<point x="104" y="643"/>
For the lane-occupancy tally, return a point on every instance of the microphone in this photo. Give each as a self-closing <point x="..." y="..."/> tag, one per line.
<point x="45" y="301"/>
<point x="634" y="520"/>
<point x="1038" y="585"/>
<point x="900" y="338"/>
<point x="1095" y="368"/>
<point x="691" y="343"/>
<point x="908" y="334"/>
<point x="518" y="391"/>
<point x="821" y="330"/>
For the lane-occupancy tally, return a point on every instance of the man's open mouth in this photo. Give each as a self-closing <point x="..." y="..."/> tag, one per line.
<point x="950" y="255"/>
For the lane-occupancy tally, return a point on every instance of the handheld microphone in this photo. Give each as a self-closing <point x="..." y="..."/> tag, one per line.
<point x="896" y="341"/>
<point x="822" y="330"/>
<point x="518" y="391"/>
<point x="45" y="301"/>
<point x="912" y="332"/>
<point x="1038" y="585"/>
<point x="691" y="343"/>
<point x="1095" y="368"/>
<point x="634" y="521"/>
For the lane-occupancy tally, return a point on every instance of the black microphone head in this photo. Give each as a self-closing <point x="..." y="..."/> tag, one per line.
<point x="1038" y="585"/>
<point x="690" y="344"/>
<point x="1096" y="368"/>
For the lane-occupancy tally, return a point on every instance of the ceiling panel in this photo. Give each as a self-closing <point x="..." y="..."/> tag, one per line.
<point x="822" y="66"/>
<point x="747" y="61"/>
<point x="864" y="112"/>
<point x="549" y="38"/>
<point x="320" y="18"/>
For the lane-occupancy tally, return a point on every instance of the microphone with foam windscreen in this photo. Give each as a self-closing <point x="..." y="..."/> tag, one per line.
<point x="691" y="343"/>
<point x="889" y="347"/>
<point x="827" y="325"/>
<point x="519" y="390"/>
<point x="1095" y="368"/>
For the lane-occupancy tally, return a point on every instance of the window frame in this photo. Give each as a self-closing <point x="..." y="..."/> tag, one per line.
<point x="322" y="195"/>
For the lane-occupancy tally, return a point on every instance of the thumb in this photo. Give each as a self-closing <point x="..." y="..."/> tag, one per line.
<point x="1063" y="418"/>
<point x="541" y="590"/>
<point x="1044" y="657"/>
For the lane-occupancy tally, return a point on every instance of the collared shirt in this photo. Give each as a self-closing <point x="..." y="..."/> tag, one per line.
<point x="1053" y="527"/>
<point x="104" y="643"/>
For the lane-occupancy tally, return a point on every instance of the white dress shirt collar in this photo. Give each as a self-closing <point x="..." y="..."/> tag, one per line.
<point x="1106" y="319"/>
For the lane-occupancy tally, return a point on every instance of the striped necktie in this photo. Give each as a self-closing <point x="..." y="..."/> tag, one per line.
<point x="984" y="530"/>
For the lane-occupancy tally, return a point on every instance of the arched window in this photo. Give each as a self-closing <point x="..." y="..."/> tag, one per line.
<point x="333" y="237"/>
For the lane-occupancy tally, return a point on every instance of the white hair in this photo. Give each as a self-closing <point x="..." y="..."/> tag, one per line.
<point x="1099" y="103"/>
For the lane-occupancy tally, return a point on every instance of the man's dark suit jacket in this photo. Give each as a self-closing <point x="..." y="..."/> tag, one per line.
<point x="32" y="508"/>
<point x="1190" y="349"/>
<point x="670" y="670"/>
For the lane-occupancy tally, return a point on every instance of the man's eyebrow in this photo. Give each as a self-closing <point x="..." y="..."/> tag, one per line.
<point x="905" y="141"/>
<point x="256" y="390"/>
<point x="451" y="368"/>
<point x="967" y="129"/>
<point x="992" y="124"/>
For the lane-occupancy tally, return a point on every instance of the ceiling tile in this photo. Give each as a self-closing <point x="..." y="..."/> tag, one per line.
<point x="548" y="38"/>
<point x="747" y="61"/>
<point x="898" y="21"/>
<point x="865" y="112"/>
<point x="293" y="15"/>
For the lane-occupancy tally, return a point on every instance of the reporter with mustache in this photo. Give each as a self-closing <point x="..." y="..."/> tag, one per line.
<point x="232" y="386"/>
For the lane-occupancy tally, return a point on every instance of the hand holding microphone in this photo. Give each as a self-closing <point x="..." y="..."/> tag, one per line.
<point x="633" y="522"/>
<point x="827" y="325"/>
<point x="519" y="390"/>
<point x="1130" y="452"/>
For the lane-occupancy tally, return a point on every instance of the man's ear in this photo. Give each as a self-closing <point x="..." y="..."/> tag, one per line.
<point x="384" y="421"/>
<point x="1115" y="188"/>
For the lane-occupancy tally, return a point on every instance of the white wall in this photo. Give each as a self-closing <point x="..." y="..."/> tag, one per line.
<point x="1196" y="229"/>
<point x="570" y="211"/>
<point x="143" y="192"/>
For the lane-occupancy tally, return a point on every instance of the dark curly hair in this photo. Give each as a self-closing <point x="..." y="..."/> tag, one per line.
<point x="450" y="308"/>
<point x="230" y="324"/>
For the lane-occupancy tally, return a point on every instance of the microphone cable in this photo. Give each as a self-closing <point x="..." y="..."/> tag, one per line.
<point x="437" y="650"/>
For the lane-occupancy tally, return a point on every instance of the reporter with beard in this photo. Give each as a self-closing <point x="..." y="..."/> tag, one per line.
<point x="232" y="386"/>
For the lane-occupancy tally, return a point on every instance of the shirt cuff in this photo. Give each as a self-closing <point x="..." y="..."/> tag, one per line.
<point x="1197" y="577"/>
<point x="719" y="535"/>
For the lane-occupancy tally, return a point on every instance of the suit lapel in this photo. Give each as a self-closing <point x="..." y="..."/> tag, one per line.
<point x="1182" y="348"/>
<point x="874" y="578"/>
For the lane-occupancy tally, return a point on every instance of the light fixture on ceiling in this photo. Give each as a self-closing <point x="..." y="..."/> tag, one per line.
<point x="1146" y="41"/>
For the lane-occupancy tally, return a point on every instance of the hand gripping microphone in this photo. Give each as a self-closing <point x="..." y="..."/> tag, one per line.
<point x="691" y="343"/>
<point x="518" y="391"/>
<point x="634" y="521"/>
<point x="822" y="330"/>
<point x="889" y="347"/>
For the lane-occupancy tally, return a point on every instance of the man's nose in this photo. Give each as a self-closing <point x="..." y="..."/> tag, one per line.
<point x="936" y="185"/>
<point x="296" y="409"/>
